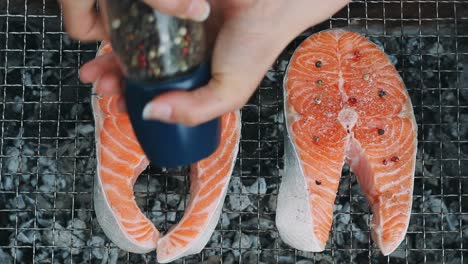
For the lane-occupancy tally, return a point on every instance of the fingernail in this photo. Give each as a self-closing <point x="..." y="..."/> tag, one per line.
<point x="199" y="11"/>
<point x="159" y="111"/>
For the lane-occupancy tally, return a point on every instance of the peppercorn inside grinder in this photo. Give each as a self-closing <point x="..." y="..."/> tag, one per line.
<point x="159" y="53"/>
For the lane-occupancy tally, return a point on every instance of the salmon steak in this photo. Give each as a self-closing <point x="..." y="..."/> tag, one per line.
<point x="120" y="160"/>
<point x="345" y="102"/>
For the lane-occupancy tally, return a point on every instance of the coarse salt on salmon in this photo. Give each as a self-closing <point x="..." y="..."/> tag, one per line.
<point x="120" y="162"/>
<point x="345" y="102"/>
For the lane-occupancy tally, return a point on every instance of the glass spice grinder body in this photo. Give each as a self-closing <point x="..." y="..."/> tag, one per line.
<point x="159" y="53"/>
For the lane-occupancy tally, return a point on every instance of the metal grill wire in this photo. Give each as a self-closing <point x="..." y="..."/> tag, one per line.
<point x="48" y="161"/>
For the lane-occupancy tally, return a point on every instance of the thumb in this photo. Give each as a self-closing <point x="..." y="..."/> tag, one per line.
<point x="198" y="106"/>
<point x="197" y="10"/>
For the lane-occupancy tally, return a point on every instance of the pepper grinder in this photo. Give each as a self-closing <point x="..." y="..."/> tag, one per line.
<point x="160" y="53"/>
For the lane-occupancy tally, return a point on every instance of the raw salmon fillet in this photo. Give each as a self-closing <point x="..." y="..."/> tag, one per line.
<point x="345" y="102"/>
<point x="209" y="180"/>
<point x="121" y="160"/>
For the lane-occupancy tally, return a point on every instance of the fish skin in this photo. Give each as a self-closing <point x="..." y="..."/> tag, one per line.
<point x="209" y="183"/>
<point x="342" y="127"/>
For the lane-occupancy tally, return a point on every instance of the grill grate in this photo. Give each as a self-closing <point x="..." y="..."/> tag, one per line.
<point x="47" y="148"/>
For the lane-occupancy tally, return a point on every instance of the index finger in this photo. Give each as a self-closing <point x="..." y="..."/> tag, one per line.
<point x="82" y="21"/>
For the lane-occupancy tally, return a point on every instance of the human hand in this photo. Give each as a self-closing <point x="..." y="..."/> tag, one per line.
<point x="250" y="35"/>
<point x="83" y="22"/>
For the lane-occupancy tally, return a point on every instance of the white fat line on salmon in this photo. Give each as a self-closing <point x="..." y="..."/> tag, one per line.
<point x="320" y="209"/>
<point x="320" y="172"/>
<point x="114" y="120"/>
<point x="395" y="145"/>
<point x="209" y="203"/>
<point x="395" y="225"/>
<point x="341" y="81"/>
<point x="138" y="227"/>
<point x="386" y="175"/>
<point x="115" y="157"/>
<point x="393" y="183"/>
<point x="116" y="191"/>
<point x="108" y="107"/>
<point x="178" y="237"/>
<point x="318" y="151"/>
<point x="381" y="176"/>
<point x="396" y="215"/>
<point x="136" y="220"/>
<point x="409" y="138"/>
<point x="326" y="190"/>
<point x="182" y="236"/>
<point x="325" y="160"/>
<point x="142" y="235"/>
<point x="384" y="82"/>
<point x="213" y="175"/>
<point x="120" y="145"/>
<point x="396" y="207"/>
<point x="310" y="152"/>
<point x="212" y="189"/>
<point x="206" y="183"/>
<point x="114" y="174"/>
<point x="142" y="164"/>
<point x="215" y="162"/>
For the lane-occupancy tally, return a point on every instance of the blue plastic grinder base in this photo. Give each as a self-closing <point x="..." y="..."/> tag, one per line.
<point x="171" y="145"/>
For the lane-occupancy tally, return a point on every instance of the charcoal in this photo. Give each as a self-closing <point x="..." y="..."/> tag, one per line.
<point x="250" y="257"/>
<point x="225" y="222"/>
<point x="342" y="214"/>
<point x="62" y="237"/>
<point x="7" y="183"/>
<point x="259" y="187"/>
<point x="78" y="226"/>
<point x="85" y="129"/>
<point x="272" y="203"/>
<point x="113" y="255"/>
<point x="230" y="259"/>
<point x="97" y="243"/>
<point x="13" y="164"/>
<point x="172" y="199"/>
<point x="238" y="201"/>
<point x="26" y="237"/>
<point x="242" y="241"/>
<point x="171" y="217"/>
<point x="262" y="223"/>
<point x="304" y="261"/>
<point x="227" y="243"/>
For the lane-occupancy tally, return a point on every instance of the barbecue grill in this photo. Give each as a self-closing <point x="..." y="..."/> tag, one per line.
<point x="48" y="157"/>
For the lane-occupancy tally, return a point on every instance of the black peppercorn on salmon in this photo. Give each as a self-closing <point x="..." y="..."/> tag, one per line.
<point x="345" y="102"/>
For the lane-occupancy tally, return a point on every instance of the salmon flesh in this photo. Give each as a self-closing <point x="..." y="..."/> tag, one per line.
<point x="345" y="102"/>
<point x="121" y="160"/>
